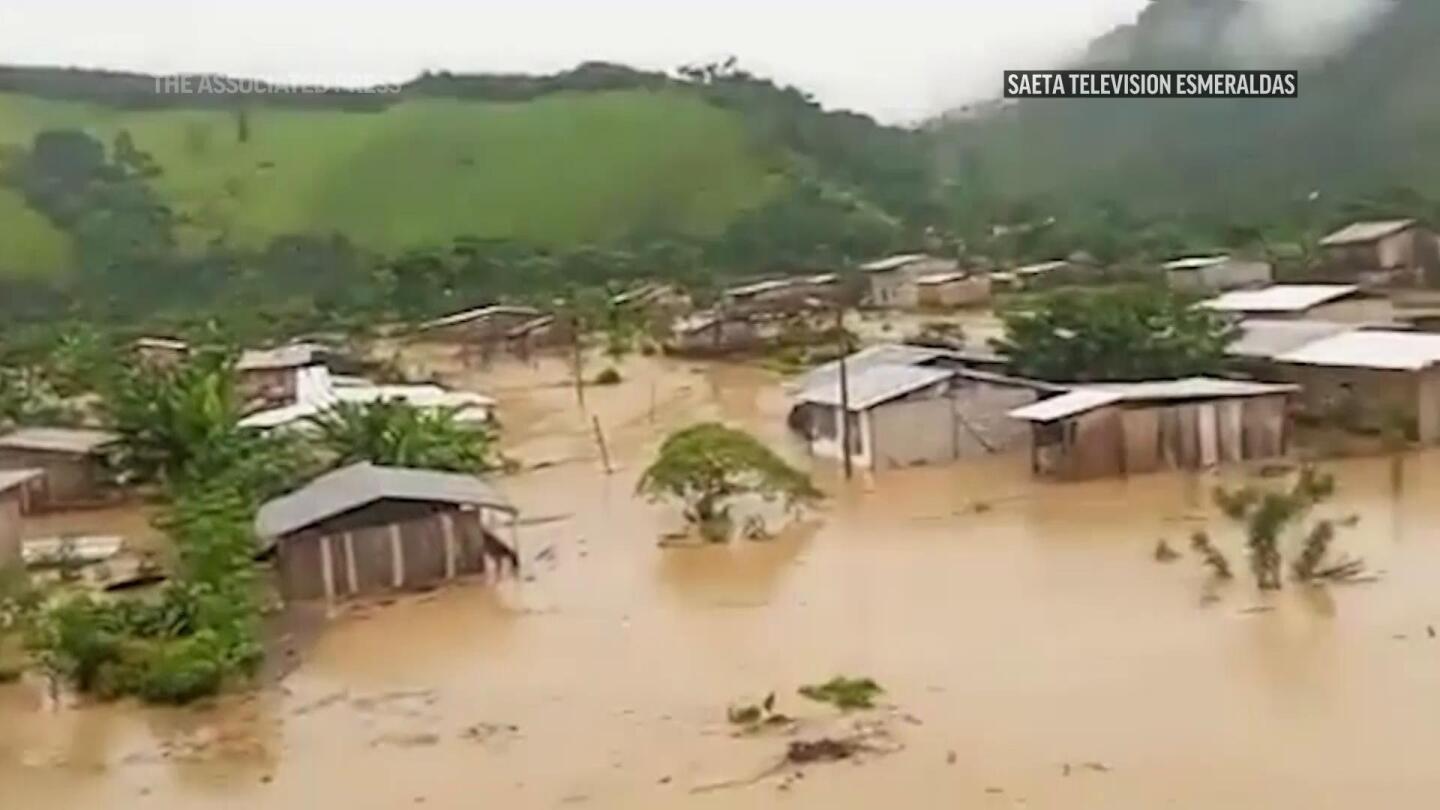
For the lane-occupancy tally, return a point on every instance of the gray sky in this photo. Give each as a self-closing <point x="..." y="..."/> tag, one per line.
<point x="896" y="59"/>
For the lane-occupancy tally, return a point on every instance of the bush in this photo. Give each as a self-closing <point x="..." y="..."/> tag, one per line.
<point x="609" y="376"/>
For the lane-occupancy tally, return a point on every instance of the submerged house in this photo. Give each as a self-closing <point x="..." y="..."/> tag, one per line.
<point x="951" y="290"/>
<point x="1104" y="430"/>
<point x="782" y="294"/>
<point x="364" y="530"/>
<point x="271" y="377"/>
<point x="905" y="406"/>
<point x="72" y="459"/>
<point x="318" y="391"/>
<point x="15" y="490"/>
<point x="488" y="324"/>
<point x="713" y="333"/>
<point x="1395" y="251"/>
<point x="1375" y="380"/>
<point x="891" y="280"/>
<point x="1216" y="273"/>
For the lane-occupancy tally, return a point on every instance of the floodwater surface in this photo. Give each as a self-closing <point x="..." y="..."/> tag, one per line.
<point x="1033" y="652"/>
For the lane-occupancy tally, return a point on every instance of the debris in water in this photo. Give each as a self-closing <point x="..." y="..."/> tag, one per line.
<point x="825" y="749"/>
<point x="406" y="740"/>
<point x="1098" y="767"/>
<point x="844" y="693"/>
<point x="994" y="790"/>
<point x="1258" y="609"/>
<point x="950" y="757"/>
<point x="1164" y="553"/>
<point x="484" y="732"/>
<point x="1430" y="630"/>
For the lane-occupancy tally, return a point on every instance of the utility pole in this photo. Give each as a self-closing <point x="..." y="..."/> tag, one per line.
<point x="844" y="391"/>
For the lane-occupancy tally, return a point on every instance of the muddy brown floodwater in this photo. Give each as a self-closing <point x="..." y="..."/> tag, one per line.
<point x="1046" y="659"/>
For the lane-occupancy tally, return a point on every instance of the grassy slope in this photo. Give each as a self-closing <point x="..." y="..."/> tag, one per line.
<point x="29" y="244"/>
<point x="559" y="170"/>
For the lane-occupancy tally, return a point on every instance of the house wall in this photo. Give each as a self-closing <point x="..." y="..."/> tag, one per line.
<point x="981" y="413"/>
<point x="896" y="288"/>
<point x="275" y="386"/>
<point x="362" y="554"/>
<point x="963" y="292"/>
<point x="70" y="479"/>
<point x="907" y="433"/>
<point x="824" y="436"/>
<point x="10" y="521"/>
<point x="1401" y="257"/>
<point x="1231" y="275"/>
<point x="1370" y="399"/>
<point x="1089" y="446"/>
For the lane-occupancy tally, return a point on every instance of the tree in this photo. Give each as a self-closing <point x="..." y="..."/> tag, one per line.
<point x="1268" y="516"/>
<point x="706" y="465"/>
<point x="1123" y="333"/>
<point x="392" y="432"/>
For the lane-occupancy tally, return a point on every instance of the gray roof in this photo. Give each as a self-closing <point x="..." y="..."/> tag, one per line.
<point x="1088" y="397"/>
<point x="295" y="355"/>
<point x="9" y="479"/>
<point x="1267" y="339"/>
<point x="466" y="316"/>
<point x="77" y="441"/>
<point x="359" y="484"/>
<point x="1280" y="298"/>
<point x="1358" y="233"/>
<point x="875" y="385"/>
<point x="1196" y="262"/>
<point x="884" y="354"/>
<point x="893" y="262"/>
<point x="1375" y="349"/>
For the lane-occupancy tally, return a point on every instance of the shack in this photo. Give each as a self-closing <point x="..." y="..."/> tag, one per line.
<point x="1396" y="252"/>
<point x="907" y="408"/>
<point x="363" y="530"/>
<point x="1217" y="273"/>
<point x="782" y="294"/>
<point x="1371" y="380"/>
<point x="1327" y="302"/>
<point x="159" y="352"/>
<point x="891" y="280"/>
<point x="271" y="377"/>
<point x="1096" y="431"/>
<point x="73" y="460"/>
<point x="713" y="333"/>
<point x="484" y="325"/>
<point x="951" y="290"/>
<point x="15" y="490"/>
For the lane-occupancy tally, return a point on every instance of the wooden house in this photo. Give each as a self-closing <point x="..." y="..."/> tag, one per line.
<point x="73" y="460"/>
<point x="1398" y="252"/>
<point x="269" y="378"/>
<point x="951" y="290"/>
<point x="15" y="493"/>
<point x="1217" y="273"/>
<point x="891" y="280"/>
<point x="485" y="325"/>
<point x="1103" y="430"/>
<point x="364" y="530"/>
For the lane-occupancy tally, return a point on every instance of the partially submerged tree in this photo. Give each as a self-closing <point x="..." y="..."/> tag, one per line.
<point x="1268" y="517"/>
<point x="1121" y="333"/>
<point x="706" y="465"/>
<point x="392" y="432"/>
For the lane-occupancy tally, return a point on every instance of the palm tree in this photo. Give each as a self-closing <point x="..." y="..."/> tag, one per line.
<point x="394" y="433"/>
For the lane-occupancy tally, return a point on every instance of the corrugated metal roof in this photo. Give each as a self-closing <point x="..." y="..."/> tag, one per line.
<point x="171" y="344"/>
<point x="316" y="392"/>
<point x="479" y="312"/>
<point x="874" y="385"/>
<point x="360" y="484"/>
<point x="1041" y="268"/>
<point x="80" y="441"/>
<point x="1362" y="232"/>
<point x="1268" y="339"/>
<point x="1196" y="262"/>
<point x="9" y="479"/>
<point x="1377" y="349"/>
<point x="1191" y="388"/>
<point x="884" y="354"/>
<point x="295" y="355"/>
<point x="941" y="278"/>
<point x="1279" y="298"/>
<point x="1076" y="402"/>
<point x="893" y="262"/>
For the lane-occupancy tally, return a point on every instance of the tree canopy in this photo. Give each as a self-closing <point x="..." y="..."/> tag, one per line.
<point x="1113" y="334"/>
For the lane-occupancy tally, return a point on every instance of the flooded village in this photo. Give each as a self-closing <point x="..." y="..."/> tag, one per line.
<point x="1013" y="559"/>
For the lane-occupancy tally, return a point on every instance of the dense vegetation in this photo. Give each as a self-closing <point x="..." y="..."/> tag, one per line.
<point x="1119" y="333"/>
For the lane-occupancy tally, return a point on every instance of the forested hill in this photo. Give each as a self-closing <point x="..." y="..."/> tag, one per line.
<point x="600" y="158"/>
<point x="1364" y="136"/>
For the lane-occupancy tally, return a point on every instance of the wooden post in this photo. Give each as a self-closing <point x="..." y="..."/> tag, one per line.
<point x="397" y="557"/>
<point x="350" y="573"/>
<point x="327" y="570"/>
<point x="447" y="525"/>
<point x="515" y="541"/>
<point x="600" y="440"/>
<point x="579" y="363"/>
<point x="844" y="394"/>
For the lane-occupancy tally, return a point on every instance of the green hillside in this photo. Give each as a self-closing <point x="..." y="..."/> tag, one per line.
<point x="29" y="245"/>
<point x="558" y="170"/>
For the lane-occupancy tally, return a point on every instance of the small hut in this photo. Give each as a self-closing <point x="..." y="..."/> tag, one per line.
<point x="73" y="460"/>
<point x="160" y="352"/>
<point x="15" y="491"/>
<point x="1217" y="273"/>
<point x="1129" y="428"/>
<point x="365" y="529"/>
<point x="271" y="377"/>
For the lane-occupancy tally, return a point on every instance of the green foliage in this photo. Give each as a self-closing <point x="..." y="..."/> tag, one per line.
<point x="706" y="465"/>
<point x="844" y="693"/>
<point x="1123" y="333"/>
<point x="1267" y="515"/>
<point x="398" y="434"/>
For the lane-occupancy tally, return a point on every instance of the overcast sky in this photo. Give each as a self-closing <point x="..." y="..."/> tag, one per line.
<point x="896" y="59"/>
